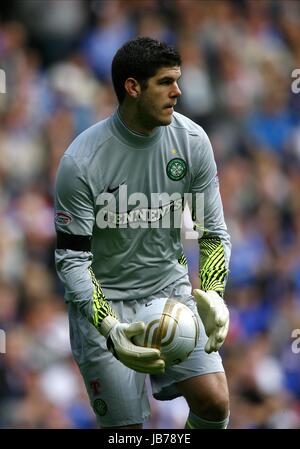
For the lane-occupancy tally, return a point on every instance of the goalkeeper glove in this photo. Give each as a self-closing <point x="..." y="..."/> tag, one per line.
<point x="138" y="358"/>
<point x="215" y="318"/>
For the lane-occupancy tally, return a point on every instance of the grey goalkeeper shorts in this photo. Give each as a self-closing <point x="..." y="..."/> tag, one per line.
<point x="118" y="394"/>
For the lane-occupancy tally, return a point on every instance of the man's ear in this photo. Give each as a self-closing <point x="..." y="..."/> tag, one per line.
<point x="132" y="87"/>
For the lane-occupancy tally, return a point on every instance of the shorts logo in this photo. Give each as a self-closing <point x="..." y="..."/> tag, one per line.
<point x="176" y="169"/>
<point x="95" y="386"/>
<point x="63" y="218"/>
<point x="100" y="407"/>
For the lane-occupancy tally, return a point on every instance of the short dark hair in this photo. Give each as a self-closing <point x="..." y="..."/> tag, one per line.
<point x="140" y="59"/>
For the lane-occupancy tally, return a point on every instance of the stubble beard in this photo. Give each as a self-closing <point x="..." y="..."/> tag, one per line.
<point x="150" y="118"/>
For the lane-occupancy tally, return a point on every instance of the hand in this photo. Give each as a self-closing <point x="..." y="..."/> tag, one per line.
<point x="215" y="318"/>
<point x="138" y="358"/>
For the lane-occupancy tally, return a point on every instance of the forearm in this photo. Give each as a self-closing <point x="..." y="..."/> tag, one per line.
<point x="214" y="258"/>
<point x="213" y="266"/>
<point x="81" y="286"/>
<point x="214" y="243"/>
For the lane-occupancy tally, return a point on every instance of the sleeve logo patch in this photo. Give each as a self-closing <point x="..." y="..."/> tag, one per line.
<point x="63" y="218"/>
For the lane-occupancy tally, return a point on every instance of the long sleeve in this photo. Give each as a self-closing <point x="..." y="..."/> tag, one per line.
<point x="74" y="221"/>
<point x="214" y="240"/>
<point x="215" y="246"/>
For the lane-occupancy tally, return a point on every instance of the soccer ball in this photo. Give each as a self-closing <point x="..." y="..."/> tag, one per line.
<point x="171" y="327"/>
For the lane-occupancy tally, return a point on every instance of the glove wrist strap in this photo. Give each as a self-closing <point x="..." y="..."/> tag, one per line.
<point x="107" y="324"/>
<point x="214" y="294"/>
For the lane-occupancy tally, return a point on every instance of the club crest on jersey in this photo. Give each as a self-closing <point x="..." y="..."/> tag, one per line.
<point x="176" y="169"/>
<point x="63" y="218"/>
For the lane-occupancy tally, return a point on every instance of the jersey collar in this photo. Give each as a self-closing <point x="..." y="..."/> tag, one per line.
<point x="132" y="138"/>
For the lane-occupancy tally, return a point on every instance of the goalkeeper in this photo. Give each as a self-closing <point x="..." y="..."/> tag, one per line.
<point x="110" y="271"/>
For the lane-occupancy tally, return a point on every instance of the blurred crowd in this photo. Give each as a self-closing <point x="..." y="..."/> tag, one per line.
<point x="238" y="58"/>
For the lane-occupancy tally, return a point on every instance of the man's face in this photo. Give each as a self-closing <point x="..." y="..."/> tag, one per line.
<point x="156" y="101"/>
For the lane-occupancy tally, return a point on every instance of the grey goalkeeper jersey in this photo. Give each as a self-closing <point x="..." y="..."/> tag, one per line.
<point x="134" y="256"/>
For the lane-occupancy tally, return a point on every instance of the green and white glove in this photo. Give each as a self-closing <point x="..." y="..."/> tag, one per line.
<point x="215" y="318"/>
<point x="119" y="342"/>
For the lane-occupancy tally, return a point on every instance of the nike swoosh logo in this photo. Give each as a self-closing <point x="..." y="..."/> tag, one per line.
<point x="113" y="189"/>
<point x="148" y="304"/>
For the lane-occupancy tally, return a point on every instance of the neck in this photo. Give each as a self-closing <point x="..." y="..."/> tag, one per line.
<point x="134" y="122"/>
